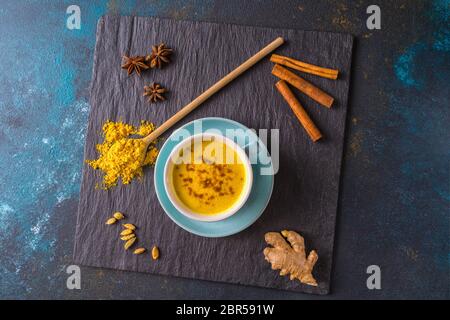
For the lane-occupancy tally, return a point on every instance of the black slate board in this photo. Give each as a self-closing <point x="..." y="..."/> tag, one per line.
<point x="306" y="186"/>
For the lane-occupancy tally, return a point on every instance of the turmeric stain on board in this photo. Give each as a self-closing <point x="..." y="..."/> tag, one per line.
<point x="121" y="157"/>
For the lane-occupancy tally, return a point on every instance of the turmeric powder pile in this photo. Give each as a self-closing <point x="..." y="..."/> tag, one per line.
<point x="122" y="157"/>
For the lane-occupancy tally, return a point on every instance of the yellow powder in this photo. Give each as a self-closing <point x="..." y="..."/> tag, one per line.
<point x="121" y="157"/>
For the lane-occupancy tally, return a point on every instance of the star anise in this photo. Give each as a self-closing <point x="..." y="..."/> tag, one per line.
<point x="134" y="64"/>
<point x="160" y="55"/>
<point x="154" y="92"/>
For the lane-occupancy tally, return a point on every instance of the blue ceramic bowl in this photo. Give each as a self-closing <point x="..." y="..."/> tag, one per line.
<point x="262" y="181"/>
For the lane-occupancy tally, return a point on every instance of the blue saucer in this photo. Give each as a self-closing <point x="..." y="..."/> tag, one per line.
<point x="261" y="189"/>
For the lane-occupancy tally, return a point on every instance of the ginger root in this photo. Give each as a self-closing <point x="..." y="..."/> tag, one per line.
<point x="290" y="257"/>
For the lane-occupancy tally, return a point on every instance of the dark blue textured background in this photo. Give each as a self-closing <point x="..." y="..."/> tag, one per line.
<point x="395" y="190"/>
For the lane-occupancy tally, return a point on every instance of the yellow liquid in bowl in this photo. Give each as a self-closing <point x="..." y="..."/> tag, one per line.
<point x="211" y="179"/>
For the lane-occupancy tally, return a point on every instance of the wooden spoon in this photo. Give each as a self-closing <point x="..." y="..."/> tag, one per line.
<point x="213" y="89"/>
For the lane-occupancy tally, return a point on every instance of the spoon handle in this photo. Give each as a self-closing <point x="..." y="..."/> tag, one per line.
<point x="213" y="89"/>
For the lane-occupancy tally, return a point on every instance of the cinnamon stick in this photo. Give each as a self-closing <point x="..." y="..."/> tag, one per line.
<point x="299" y="111"/>
<point x="305" y="67"/>
<point x="304" y="86"/>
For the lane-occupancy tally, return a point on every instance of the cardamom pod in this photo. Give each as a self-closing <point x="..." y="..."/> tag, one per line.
<point x="139" y="251"/>
<point x="155" y="253"/>
<point x="118" y="215"/>
<point x="128" y="237"/>
<point x="129" y="226"/>
<point x="126" y="232"/>
<point x="129" y="243"/>
<point x="111" y="221"/>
